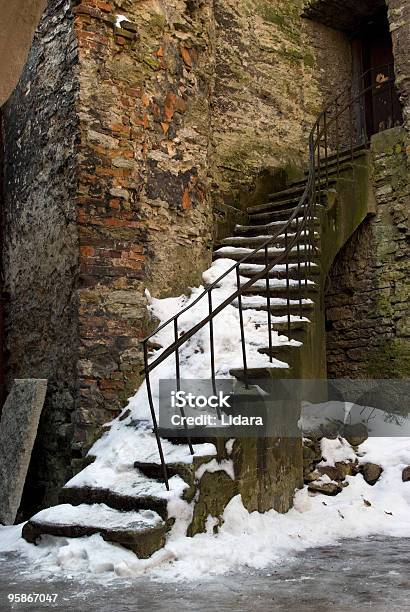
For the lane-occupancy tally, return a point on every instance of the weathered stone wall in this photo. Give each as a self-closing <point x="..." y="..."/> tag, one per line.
<point x="144" y="211"/>
<point x="368" y="295"/>
<point x="265" y="98"/>
<point x="399" y="19"/>
<point x="195" y="100"/>
<point x="40" y="250"/>
<point x="332" y="50"/>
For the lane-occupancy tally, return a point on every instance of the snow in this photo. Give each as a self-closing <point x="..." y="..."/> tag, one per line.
<point x="335" y="451"/>
<point x="130" y="438"/>
<point x="97" y="515"/>
<point x="125" y="482"/>
<point x="245" y="540"/>
<point x="120" y="19"/>
<point x="216" y="466"/>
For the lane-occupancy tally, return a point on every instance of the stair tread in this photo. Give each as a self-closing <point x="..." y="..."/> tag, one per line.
<point x="99" y="516"/>
<point x="258" y="240"/>
<point x="272" y="227"/>
<point x="293" y="190"/>
<point x="141" y="531"/>
<point x="278" y="215"/>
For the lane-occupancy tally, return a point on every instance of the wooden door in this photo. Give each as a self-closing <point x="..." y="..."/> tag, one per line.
<point x="383" y="108"/>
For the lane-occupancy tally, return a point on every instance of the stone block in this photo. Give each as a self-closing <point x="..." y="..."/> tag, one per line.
<point x="18" y="430"/>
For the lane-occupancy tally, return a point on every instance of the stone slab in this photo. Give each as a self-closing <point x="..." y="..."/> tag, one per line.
<point x="143" y="531"/>
<point x="18" y="430"/>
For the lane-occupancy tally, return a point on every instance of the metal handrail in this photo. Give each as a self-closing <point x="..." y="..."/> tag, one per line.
<point x="304" y="213"/>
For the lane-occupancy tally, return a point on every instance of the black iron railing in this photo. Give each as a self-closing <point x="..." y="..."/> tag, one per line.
<point x="339" y="130"/>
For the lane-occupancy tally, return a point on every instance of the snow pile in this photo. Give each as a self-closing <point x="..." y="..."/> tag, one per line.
<point x="335" y="451"/>
<point x="248" y="540"/>
<point x="130" y="437"/>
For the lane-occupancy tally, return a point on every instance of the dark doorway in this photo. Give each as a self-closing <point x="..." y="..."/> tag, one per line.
<point x="374" y="52"/>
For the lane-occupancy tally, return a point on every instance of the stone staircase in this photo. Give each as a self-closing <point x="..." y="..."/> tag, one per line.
<point x="135" y="509"/>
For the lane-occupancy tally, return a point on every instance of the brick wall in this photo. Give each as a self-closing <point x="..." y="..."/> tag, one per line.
<point x="144" y="215"/>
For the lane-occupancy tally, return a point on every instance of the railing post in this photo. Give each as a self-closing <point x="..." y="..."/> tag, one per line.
<point x="268" y="303"/>
<point x="299" y="271"/>
<point x="287" y="280"/>
<point x="212" y="351"/>
<point x="153" y="416"/>
<point x="326" y="149"/>
<point x="178" y="379"/>
<point x="243" y="341"/>
<point x="337" y="139"/>
<point x="319" y="168"/>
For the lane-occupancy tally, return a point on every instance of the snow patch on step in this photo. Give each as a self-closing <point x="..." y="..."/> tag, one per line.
<point x="226" y="465"/>
<point x="259" y="300"/>
<point x="126" y="482"/>
<point x="277" y="282"/>
<point x="98" y="515"/>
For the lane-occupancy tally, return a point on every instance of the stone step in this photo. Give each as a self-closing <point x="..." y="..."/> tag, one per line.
<point x="237" y="254"/>
<point x="284" y="352"/>
<point x="253" y="242"/>
<point x="142" y="532"/>
<point x="276" y="215"/>
<point x="267" y="229"/>
<point x="185" y="470"/>
<point x="278" y="306"/>
<point x="90" y="495"/>
<point x="283" y="202"/>
<point x="262" y="375"/>
<point x="279" y="271"/>
<point x="281" y="291"/>
<point x="346" y="164"/>
<point x="295" y="191"/>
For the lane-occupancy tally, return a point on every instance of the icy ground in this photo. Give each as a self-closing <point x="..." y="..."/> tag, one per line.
<point x="359" y="574"/>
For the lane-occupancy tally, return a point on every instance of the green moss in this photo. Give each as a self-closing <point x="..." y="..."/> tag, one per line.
<point x="309" y="60"/>
<point x="151" y="62"/>
<point x="157" y="22"/>
<point x="268" y="13"/>
<point x="391" y="359"/>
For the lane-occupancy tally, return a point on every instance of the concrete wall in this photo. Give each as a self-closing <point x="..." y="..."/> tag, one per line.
<point x="40" y="244"/>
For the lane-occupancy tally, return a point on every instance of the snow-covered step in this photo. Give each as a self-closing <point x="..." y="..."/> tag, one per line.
<point x="277" y="305"/>
<point x="256" y="241"/>
<point x="238" y="253"/>
<point x="186" y="471"/>
<point x="279" y="271"/>
<point x="282" y="291"/>
<point x="142" y="532"/>
<point x="275" y="283"/>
